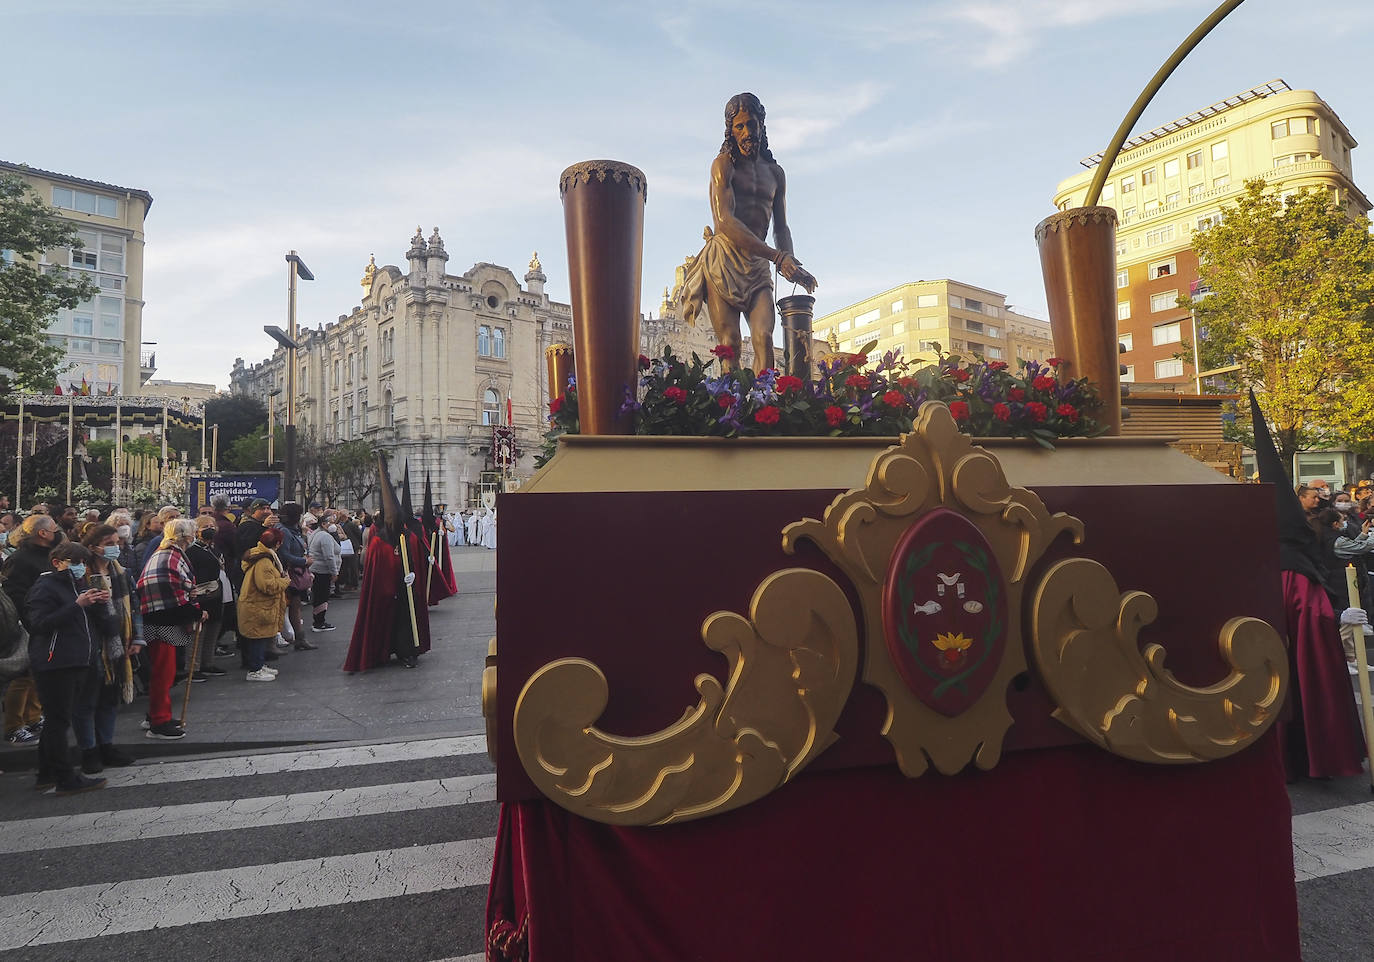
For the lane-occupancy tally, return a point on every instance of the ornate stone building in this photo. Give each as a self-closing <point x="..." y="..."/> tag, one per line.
<point x="426" y="367"/>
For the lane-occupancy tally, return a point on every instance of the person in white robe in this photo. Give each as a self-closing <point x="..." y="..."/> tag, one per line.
<point x="474" y="522"/>
<point x="489" y="531"/>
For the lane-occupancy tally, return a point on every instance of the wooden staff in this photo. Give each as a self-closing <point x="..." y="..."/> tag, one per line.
<point x="191" y="664"/>
<point x="1362" y="663"/>
<point x="410" y="595"/>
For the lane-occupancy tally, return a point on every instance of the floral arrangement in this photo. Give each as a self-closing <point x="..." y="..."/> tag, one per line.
<point x="849" y="399"/>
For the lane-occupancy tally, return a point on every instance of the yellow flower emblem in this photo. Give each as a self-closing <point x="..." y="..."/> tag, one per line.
<point x="955" y="641"/>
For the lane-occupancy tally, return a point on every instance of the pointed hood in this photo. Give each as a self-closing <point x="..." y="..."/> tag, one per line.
<point x="427" y="515"/>
<point x="1298" y="548"/>
<point x="391" y="507"/>
<point x="408" y="519"/>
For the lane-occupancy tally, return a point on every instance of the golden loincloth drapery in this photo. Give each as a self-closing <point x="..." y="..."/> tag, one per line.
<point x="735" y="277"/>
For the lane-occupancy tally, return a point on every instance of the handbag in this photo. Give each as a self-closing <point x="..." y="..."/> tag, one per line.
<point x="301" y="579"/>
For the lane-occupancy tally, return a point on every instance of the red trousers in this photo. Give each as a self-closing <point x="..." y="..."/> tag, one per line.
<point x="162" y="663"/>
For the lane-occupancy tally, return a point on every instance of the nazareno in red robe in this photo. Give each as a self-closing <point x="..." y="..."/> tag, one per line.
<point x="442" y="583"/>
<point x="382" y="590"/>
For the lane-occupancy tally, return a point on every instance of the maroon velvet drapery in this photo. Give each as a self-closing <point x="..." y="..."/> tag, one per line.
<point x="1059" y="855"/>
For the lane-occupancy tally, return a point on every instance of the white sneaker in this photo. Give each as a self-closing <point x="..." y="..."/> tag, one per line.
<point x="261" y="676"/>
<point x="270" y="671"/>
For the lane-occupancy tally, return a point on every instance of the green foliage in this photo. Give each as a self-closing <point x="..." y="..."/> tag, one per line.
<point x="144" y="446"/>
<point x="351" y="470"/>
<point x="1290" y="304"/>
<point x="237" y="417"/>
<point x="29" y="297"/>
<point x="248" y="452"/>
<point x="101" y="451"/>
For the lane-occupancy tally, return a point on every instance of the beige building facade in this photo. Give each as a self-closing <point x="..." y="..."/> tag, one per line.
<point x="922" y="317"/>
<point x="426" y="367"/>
<point x="102" y="339"/>
<point x="1178" y="179"/>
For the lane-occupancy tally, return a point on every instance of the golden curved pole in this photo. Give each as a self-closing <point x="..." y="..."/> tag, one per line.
<point x="1148" y="94"/>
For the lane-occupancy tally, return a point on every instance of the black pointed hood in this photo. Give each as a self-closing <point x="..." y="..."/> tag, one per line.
<point x="427" y="515"/>
<point x="408" y="519"/>
<point x="1298" y="548"/>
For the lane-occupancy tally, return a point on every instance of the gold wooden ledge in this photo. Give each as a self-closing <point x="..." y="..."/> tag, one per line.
<point x="598" y="463"/>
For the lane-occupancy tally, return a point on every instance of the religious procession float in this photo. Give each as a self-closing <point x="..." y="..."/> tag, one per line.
<point x="841" y="659"/>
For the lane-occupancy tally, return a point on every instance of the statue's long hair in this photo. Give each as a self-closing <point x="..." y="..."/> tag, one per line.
<point x="745" y="101"/>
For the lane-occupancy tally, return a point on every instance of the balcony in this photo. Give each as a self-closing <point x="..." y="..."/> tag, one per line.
<point x="147" y="366"/>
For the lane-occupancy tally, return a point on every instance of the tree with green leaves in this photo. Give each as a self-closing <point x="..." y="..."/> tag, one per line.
<point x="31" y="294"/>
<point x="1291" y="288"/>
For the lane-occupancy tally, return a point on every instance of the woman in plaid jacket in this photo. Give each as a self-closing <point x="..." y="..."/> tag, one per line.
<point x="170" y="613"/>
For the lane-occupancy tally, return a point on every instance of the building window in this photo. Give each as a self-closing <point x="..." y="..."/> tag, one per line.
<point x="498" y="342"/>
<point x="992" y="332"/>
<point x="1123" y="279"/>
<point x="1171" y="333"/>
<point x="896" y="307"/>
<point x="927" y="300"/>
<point x="1108" y="191"/>
<point x="363" y="372"/>
<point x="1302" y="125"/>
<point x="974" y="326"/>
<point x="111" y="312"/>
<point x="1278" y="129"/>
<point x="1211" y="220"/>
<point x="491" y="407"/>
<point x="362" y="409"/>
<point x="1147" y="177"/>
<point x="1160" y="235"/>
<point x="898" y="327"/>
<point x="336" y="375"/>
<point x="1127" y="184"/>
<point x="868" y="317"/>
<point x="897" y="348"/>
<point x="1219" y="151"/>
<point x="79" y="345"/>
<point x="845" y="325"/>
<point x="1127" y="341"/>
<point x="1222" y="181"/>
<point x="1162" y="302"/>
<point x="1129" y="376"/>
<point x="994" y="354"/>
<point x="1162" y="269"/>
<point x="85" y="202"/>
<point x="928" y="345"/>
<point x="1169" y="367"/>
<point x="929" y="323"/>
<point x="483" y="342"/>
<point x="388" y="411"/>
<point x="1128" y="215"/>
<point x="1151" y="206"/>
<point x="1171" y="168"/>
<point x="1193" y="160"/>
<point x="976" y="347"/>
<point x="352" y="368"/>
<point x="386" y="346"/>
<point x="1194" y="193"/>
<point x="1123" y="310"/>
<point x="1170" y="199"/>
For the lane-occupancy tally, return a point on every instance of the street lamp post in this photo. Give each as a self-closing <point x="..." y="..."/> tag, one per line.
<point x="295" y="268"/>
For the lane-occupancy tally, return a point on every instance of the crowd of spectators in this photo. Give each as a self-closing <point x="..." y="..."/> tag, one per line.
<point x="1343" y="523"/>
<point x="103" y="606"/>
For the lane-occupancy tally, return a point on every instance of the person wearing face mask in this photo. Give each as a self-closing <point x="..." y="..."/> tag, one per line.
<point x="93" y="721"/>
<point x="123" y="526"/>
<point x="207" y="567"/>
<point x="8" y="522"/>
<point x="325" y="559"/>
<point x="32" y="542"/>
<point x="166" y="591"/>
<point x="68" y="621"/>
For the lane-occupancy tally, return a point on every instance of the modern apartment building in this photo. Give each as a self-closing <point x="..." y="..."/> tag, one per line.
<point x="1179" y="178"/>
<point x="920" y="317"/>
<point x="102" y="338"/>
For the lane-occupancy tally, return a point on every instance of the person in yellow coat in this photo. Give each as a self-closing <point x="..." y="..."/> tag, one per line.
<point x="262" y="602"/>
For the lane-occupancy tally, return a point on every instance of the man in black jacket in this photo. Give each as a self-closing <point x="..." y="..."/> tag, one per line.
<point x="33" y="540"/>
<point x="247" y="535"/>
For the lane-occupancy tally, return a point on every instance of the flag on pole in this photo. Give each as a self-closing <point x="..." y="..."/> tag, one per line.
<point x="57" y="389"/>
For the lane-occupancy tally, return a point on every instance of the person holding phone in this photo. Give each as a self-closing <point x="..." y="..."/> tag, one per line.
<point x="68" y="619"/>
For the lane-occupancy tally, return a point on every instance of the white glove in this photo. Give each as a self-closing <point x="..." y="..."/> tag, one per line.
<point x="1354" y="616"/>
<point x="409" y="579"/>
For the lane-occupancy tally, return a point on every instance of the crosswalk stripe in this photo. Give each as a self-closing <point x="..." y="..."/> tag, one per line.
<point x="294" y="761"/>
<point x="93" y="828"/>
<point x="1333" y="841"/>
<point x="91" y="911"/>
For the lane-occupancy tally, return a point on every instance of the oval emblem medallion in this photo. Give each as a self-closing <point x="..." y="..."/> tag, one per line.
<point x="945" y="611"/>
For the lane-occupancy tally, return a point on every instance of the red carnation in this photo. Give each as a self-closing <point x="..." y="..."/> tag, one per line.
<point x="556" y="405"/>
<point x="959" y="410"/>
<point x="835" y="415"/>
<point x="726" y="401"/>
<point x="858" y="382"/>
<point x="1016" y="394"/>
<point x="723" y="351"/>
<point x="1068" y="412"/>
<point x="644" y="363"/>
<point x="858" y="360"/>
<point x="894" y="399"/>
<point x="789" y="383"/>
<point x="907" y="382"/>
<point x="1036" y="410"/>
<point x="997" y="365"/>
<point x="1054" y="361"/>
<point x="675" y="394"/>
<point x="767" y="415"/>
<point x="959" y="374"/>
<point x="1001" y="412"/>
<point x="1044" y="383"/>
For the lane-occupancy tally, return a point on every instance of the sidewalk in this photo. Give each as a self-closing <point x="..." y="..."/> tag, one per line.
<point x="313" y="700"/>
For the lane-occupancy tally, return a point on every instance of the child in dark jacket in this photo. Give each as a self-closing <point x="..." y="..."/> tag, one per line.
<point x="68" y="621"/>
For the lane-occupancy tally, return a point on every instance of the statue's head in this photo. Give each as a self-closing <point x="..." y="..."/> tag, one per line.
<point x="745" y="133"/>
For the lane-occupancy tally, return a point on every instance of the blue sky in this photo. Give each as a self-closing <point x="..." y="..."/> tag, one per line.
<point x="920" y="139"/>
